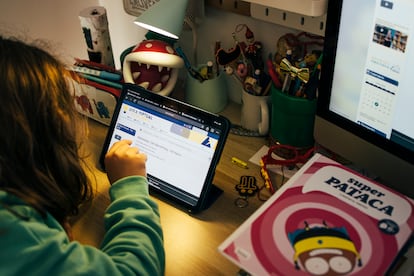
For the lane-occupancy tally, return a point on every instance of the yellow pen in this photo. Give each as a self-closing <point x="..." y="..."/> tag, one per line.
<point x="239" y="162"/>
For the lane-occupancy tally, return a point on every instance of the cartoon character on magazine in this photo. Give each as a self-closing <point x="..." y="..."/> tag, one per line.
<point x="152" y="64"/>
<point x="321" y="250"/>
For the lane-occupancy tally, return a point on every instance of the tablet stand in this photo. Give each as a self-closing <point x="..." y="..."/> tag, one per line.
<point x="213" y="194"/>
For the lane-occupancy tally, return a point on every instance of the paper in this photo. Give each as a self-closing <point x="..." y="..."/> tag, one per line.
<point x="255" y="159"/>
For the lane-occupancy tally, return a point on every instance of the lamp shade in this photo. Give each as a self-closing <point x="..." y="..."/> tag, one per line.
<point x="165" y="17"/>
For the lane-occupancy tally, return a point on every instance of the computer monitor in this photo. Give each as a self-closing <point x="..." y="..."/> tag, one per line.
<point x="366" y="98"/>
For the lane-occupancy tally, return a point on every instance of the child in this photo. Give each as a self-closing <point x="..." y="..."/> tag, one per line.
<point x="42" y="181"/>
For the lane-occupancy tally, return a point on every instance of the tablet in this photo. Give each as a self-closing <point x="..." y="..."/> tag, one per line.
<point x="183" y="143"/>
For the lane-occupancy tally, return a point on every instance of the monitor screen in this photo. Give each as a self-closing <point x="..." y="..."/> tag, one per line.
<point x="366" y="74"/>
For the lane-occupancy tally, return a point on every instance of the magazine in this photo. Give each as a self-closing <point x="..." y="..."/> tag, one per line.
<point x="326" y="220"/>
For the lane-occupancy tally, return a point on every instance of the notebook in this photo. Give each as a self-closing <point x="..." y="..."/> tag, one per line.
<point x="183" y="144"/>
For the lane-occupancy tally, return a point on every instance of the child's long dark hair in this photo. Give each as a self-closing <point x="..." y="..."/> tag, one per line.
<point x="39" y="156"/>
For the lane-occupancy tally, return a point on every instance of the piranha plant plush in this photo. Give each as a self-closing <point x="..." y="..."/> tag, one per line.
<point x="152" y="64"/>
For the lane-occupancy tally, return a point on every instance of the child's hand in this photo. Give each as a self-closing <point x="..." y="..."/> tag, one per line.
<point x="123" y="160"/>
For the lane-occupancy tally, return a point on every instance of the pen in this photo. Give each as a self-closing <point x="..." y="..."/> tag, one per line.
<point x="286" y="83"/>
<point x="210" y="74"/>
<point x="239" y="162"/>
<point x="266" y="90"/>
<point x="312" y="85"/>
<point x="317" y="65"/>
<point x="273" y="74"/>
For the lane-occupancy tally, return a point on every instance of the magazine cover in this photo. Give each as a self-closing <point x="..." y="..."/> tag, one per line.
<point x="326" y="220"/>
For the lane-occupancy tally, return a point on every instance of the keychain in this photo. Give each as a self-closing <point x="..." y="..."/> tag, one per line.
<point x="247" y="187"/>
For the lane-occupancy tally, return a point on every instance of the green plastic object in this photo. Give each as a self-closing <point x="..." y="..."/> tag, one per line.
<point x="292" y="120"/>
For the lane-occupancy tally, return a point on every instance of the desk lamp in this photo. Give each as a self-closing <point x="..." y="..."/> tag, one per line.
<point x="154" y="64"/>
<point x="165" y="17"/>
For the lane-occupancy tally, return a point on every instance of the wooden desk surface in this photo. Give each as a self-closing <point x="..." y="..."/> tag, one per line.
<point x="191" y="241"/>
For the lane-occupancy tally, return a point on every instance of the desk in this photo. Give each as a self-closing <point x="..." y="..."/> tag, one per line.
<point x="191" y="241"/>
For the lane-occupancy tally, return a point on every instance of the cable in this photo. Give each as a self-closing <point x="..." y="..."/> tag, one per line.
<point x="191" y="24"/>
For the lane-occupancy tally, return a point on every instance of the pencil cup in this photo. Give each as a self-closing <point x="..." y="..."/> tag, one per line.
<point x="292" y="120"/>
<point x="210" y="95"/>
<point x="255" y="112"/>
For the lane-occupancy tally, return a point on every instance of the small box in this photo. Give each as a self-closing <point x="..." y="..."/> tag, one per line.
<point x="96" y="100"/>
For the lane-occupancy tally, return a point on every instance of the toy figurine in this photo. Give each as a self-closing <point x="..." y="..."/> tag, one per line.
<point x="152" y="64"/>
<point x="253" y="50"/>
<point x="288" y="43"/>
<point x="225" y="57"/>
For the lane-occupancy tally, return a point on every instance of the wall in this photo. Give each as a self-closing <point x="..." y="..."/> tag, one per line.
<point x="124" y="33"/>
<point x="58" y="21"/>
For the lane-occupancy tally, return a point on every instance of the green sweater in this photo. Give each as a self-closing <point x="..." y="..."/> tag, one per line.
<point x="132" y="245"/>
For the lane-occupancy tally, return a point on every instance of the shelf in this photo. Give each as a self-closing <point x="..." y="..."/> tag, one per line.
<point x="308" y="16"/>
<point x="235" y="6"/>
<point x="310" y="24"/>
<point x="314" y="8"/>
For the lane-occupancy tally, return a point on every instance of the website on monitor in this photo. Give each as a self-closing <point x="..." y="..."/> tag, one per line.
<point x="373" y="74"/>
<point x="386" y="68"/>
